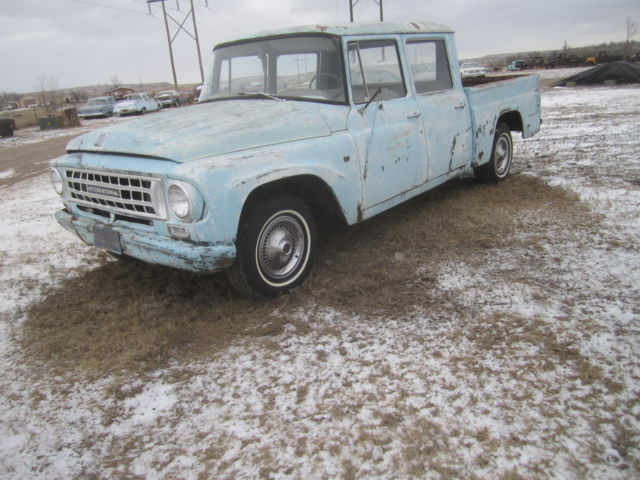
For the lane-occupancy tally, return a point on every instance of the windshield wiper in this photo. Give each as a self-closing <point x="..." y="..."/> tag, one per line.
<point x="261" y="94"/>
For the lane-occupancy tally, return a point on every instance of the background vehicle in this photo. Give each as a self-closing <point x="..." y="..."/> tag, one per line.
<point x="472" y="69"/>
<point x="136" y="103"/>
<point x="237" y="182"/>
<point x="7" y="126"/>
<point x="517" y="65"/>
<point x="97" y="107"/>
<point x="168" y="98"/>
<point x="196" y="93"/>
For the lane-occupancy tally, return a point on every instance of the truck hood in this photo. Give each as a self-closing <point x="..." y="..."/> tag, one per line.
<point x="214" y="128"/>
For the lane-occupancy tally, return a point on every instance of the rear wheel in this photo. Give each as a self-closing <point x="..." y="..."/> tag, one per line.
<point x="498" y="167"/>
<point x="275" y="248"/>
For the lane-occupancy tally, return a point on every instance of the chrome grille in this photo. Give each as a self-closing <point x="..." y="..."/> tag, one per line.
<point x="116" y="192"/>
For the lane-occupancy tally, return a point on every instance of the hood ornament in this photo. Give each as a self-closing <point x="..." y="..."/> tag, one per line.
<point x="100" y="140"/>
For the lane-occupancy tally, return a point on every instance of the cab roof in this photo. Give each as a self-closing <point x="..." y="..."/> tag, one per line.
<point x="378" y="28"/>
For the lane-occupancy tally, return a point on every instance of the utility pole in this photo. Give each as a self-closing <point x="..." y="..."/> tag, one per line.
<point x="353" y="4"/>
<point x="195" y="31"/>
<point x="181" y="27"/>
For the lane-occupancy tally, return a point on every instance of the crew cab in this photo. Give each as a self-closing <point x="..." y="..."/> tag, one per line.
<point x="341" y="120"/>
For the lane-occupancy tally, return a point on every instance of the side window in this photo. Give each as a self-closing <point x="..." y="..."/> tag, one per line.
<point x="429" y="66"/>
<point x="375" y="65"/>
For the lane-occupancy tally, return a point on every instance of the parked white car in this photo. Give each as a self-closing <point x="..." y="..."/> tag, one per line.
<point x="136" y="103"/>
<point x="472" y="69"/>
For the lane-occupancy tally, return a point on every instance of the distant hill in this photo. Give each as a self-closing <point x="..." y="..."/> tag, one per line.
<point x="567" y="56"/>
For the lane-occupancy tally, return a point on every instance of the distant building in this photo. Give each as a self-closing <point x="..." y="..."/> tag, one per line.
<point x="26" y="102"/>
<point x="119" y="92"/>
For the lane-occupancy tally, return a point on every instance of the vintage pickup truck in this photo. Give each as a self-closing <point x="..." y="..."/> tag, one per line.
<point x="341" y="120"/>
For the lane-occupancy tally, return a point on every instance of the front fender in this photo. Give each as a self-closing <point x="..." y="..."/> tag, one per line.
<point x="227" y="181"/>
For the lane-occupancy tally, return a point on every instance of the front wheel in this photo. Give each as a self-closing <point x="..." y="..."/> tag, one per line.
<point x="275" y="248"/>
<point x="499" y="165"/>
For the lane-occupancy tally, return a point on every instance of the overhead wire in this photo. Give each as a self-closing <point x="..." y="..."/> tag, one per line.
<point x="94" y="4"/>
<point x="216" y="37"/>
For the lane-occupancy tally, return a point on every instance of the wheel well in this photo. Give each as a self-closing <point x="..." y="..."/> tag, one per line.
<point x="513" y="120"/>
<point x="314" y="191"/>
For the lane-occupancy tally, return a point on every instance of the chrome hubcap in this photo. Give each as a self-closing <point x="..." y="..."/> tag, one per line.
<point x="502" y="155"/>
<point x="281" y="246"/>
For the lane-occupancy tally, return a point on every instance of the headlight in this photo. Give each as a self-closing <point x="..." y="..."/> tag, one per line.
<point x="56" y="181"/>
<point x="180" y="202"/>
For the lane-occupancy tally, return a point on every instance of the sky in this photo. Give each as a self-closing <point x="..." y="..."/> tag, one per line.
<point x="89" y="42"/>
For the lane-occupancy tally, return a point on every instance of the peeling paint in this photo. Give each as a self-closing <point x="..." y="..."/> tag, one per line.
<point x="453" y="149"/>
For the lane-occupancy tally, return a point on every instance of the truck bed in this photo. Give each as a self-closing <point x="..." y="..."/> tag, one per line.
<point x="492" y="97"/>
<point x="476" y="81"/>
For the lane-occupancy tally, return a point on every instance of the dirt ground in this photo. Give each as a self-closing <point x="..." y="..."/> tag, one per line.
<point x="27" y="154"/>
<point x="477" y="331"/>
<point x="32" y="159"/>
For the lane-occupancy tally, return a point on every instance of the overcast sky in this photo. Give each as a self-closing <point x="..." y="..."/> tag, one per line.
<point x="87" y="42"/>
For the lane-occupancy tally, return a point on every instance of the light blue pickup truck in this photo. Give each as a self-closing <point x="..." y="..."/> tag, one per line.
<point x="341" y="120"/>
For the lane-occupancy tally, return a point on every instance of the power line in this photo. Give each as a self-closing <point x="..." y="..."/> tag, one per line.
<point x="86" y="2"/>
<point x="353" y="3"/>
<point x="218" y="15"/>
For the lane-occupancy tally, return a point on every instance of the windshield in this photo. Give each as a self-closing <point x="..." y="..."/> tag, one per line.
<point x="300" y="67"/>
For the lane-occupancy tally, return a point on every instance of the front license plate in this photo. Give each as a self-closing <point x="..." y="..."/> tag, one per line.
<point x="107" y="239"/>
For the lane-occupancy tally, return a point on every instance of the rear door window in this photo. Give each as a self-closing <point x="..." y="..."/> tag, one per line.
<point x="429" y="65"/>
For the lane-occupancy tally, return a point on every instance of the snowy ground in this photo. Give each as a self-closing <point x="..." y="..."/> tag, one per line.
<point x="519" y="380"/>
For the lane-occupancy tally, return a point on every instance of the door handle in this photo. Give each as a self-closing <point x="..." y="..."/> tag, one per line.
<point x="460" y="106"/>
<point x="414" y="115"/>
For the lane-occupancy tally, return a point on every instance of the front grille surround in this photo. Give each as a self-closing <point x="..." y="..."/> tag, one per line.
<point x="129" y="194"/>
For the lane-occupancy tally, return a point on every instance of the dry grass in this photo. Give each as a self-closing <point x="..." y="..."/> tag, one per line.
<point x="135" y="317"/>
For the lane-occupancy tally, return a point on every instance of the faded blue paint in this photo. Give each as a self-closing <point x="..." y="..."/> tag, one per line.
<point x="370" y="159"/>
<point x="491" y="101"/>
<point x="211" y="129"/>
<point x="355" y="29"/>
<point x="154" y="248"/>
